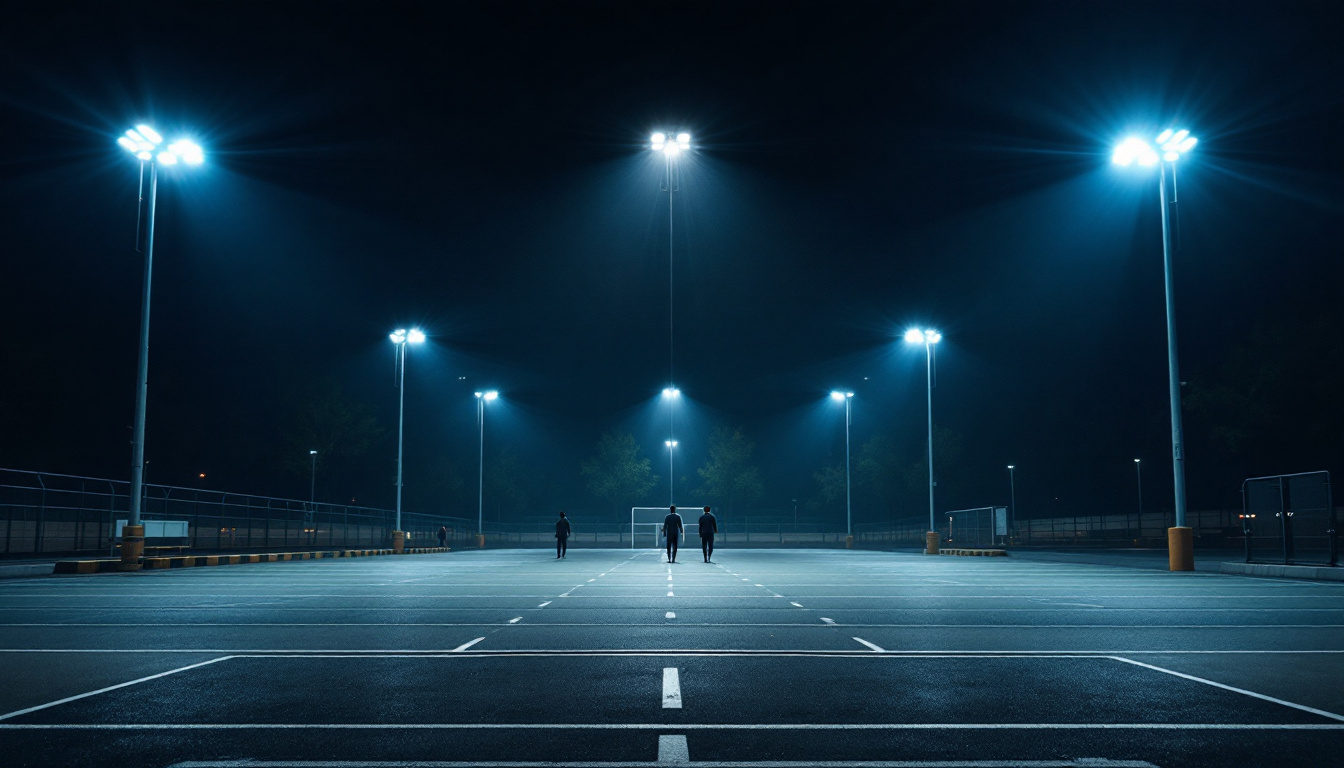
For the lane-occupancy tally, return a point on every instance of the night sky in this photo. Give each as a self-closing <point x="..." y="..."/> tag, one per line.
<point x="482" y="170"/>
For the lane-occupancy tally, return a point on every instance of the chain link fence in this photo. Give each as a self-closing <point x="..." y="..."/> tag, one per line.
<point x="1290" y="519"/>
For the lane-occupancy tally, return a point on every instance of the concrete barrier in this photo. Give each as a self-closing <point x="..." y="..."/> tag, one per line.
<point x="974" y="552"/>
<point x="200" y="561"/>
<point x="1274" y="570"/>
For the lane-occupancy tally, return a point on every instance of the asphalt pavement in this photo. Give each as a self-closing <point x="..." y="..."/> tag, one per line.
<point x="614" y="657"/>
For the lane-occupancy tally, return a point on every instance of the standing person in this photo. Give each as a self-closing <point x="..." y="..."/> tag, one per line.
<point x="709" y="525"/>
<point x="672" y="529"/>
<point x="562" y="530"/>
<point x="443" y="535"/>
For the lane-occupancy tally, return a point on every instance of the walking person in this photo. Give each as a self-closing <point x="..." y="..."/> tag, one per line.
<point x="709" y="525"/>
<point x="672" y="529"/>
<point x="562" y="531"/>
<point x="443" y="536"/>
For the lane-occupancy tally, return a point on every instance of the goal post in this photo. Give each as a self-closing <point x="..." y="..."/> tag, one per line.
<point x="646" y="524"/>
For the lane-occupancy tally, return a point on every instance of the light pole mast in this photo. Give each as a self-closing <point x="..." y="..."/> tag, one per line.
<point x="401" y="337"/>
<point x="145" y="143"/>
<point x="928" y="338"/>
<point x="847" y="398"/>
<point x="671" y="149"/>
<point x="1012" y="500"/>
<point x="481" y="399"/>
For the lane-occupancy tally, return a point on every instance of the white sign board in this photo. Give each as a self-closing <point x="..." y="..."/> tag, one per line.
<point x="158" y="529"/>
<point x="1000" y="521"/>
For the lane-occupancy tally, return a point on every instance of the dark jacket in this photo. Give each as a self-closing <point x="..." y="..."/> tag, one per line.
<point x="562" y="528"/>
<point x="709" y="525"/>
<point x="672" y="527"/>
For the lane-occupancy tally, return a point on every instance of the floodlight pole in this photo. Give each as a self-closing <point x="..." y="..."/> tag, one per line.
<point x="849" y="516"/>
<point x="480" y="485"/>
<point x="142" y="370"/>
<point x="401" y="422"/>
<point x="312" y="482"/>
<point x="1173" y="375"/>
<point x="928" y="370"/>
<point x="1012" y="499"/>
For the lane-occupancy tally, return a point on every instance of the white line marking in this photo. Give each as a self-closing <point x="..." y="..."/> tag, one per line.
<point x="760" y="585"/>
<point x="590" y="581"/>
<point x="795" y="605"/>
<point x="671" y="688"/>
<point x="137" y="681"/>
<point x="664" y="727"/>
<point x="467" y="645"/>
<point x="1243" y="691"/>
<point x="515" y="621"/>
<point x="671" y="615"/>
<point x="877" y="648"/>
<point x="933" y="653"/>
<point x="828" y="621"/>
<point x="669" y="594"/>
<point x="543" y="605"/>
<point x="673" y="749"/>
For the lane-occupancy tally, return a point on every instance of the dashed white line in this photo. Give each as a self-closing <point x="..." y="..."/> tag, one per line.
<point x="671" y="689"/>
<point x="828" y="621"/>
<point x="795" y="605"/>
<point x="673" y="749"/>
<point x="877" y="648"/>
<point x="515" y="621"/>
<point x="467" y="645"/>
<point x="543" y="605"/>
<point x="671" y="615"/>
<point x="669" y="593"/>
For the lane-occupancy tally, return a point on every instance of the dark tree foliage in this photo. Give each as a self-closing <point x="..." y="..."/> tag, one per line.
<point x="617" y="474"/>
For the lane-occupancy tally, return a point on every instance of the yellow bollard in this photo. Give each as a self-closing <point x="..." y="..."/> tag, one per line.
<point x="398" y="542"/>
<point x="132" y="547"/>
<point x="1181" y="549"/>
<point x="480" y="540"/>
<point x="931" y="542"/>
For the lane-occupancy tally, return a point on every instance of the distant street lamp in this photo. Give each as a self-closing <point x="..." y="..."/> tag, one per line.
<point x="1138" y="477"/>
<point x="928" y="338"/>
<point x="846" y="398"/>
<point x="312" y="482"/>
<point x="146" y="144"/>
<point x="401" y="337"/>
<point x="672" y="395"/>
<point x="1012" y="500"/>
<point x="671" y="446"/>
<point x="1172" y="144"/>
<point x="481" y="399"/>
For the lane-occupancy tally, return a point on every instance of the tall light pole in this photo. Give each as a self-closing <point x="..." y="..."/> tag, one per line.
<point x="1012" y="500"/>
<point x="312" y="482"/>
<point x="401" y="337"/>
<point x="146" y="144"/>
<point x="671" y="148"/>
<point x="1171" y="144"/>
<point x="671" y="394"/>
<point x="481" y="399"/>
<point x="928" y="338"/>
<point x="1138" y="477"/>
<point x="847" y="398"/>
<point x="671" y="449"/>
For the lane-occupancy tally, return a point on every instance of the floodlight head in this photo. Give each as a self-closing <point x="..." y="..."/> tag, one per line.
<point x="838" y="396"/>
<point x="187" y="151"/>
<point x="914" y="336"/>
<point x="312" y="453"/>
<point x="684" y="140"/>
<point x="491" y="395"/>
<point x="671" y="392"/>
<point x="670" y="443"/>
<point x="1010" y="466"/>
<point x="167" y="158"/>
<point x="657" y="140"/>
<point x="933" y="337"/>
<point x="1132" y="150"/>
<point x="671" y="150"/>
<point x="149" y="133"/>
<point x="415" y="336"/>
<point x="1136" y="461"/>
<point x="398" y="336"/>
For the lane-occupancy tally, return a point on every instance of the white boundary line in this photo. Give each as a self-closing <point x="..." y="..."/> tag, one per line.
<point x="226" y="625"/>
<point x="467" y="645"/>
<point x="744" y="652"/>
<point x="672" y="727"/>
<point x="877" y="648"/>
<point x="77" y="697"/>
<point x="1242" y="691"/>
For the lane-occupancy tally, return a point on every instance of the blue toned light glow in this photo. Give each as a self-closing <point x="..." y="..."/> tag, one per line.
<point x="415" y="336"/>
<point x="671" y="392"/>
<point x="491" y="395"/>
<point x="1133" y="150"/>
<point x="398" y="336"/>
<point x="149" y="133"/>
<point x="840" y="397"/>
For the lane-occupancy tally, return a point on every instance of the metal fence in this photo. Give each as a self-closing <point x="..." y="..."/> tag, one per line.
<point x="1290" y="519"/>
<point x="1212" y="528"/>
<point x="43" y="512"/>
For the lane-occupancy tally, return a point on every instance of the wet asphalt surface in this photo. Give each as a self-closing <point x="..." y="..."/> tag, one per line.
<point x="779" y="657"/>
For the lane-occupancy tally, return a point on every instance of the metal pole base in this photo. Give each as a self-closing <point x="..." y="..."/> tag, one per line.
<point x="480" y="540"/>
<point x="849" y="542"/>
<point x="1181" y="549"/>
<point x="931" y="540"/>
<point x="398" y="542"/>
<point x="132" y="547"/>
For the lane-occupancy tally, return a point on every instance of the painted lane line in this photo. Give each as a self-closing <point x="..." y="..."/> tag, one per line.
<point x="1332" y="727"/>
<point x="795" y="605"/>
<point x="137" y="681"/>
<point x="590" y="581"/>
<point x="760" y="585"/>
<point x="877" y="648"/>
<point x="669" y="594"/>
<point x="672" y="750"/>
<point x="671" y="615"/>
<point x="467" y="645"/>
<point x="1243" y="691"/>
<point x="828" y="621"/>
<point x="671" y="688"/>
<point x="515" y="621"/>
<point x="543" y="605"/>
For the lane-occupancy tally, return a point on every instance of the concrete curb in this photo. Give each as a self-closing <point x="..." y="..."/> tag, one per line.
<point x="974" y="552"/>
<point x="201" y="561"/>
<point x="1312" y="572"/>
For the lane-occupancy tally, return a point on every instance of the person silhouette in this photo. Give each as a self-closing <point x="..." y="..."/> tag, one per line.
<point x="443" y="536"/>
<point x="562" y="531"/>
<point x="672" y="529"/>
<point x="709" y="525"/>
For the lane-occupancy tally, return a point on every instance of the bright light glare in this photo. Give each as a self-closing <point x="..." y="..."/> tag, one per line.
<point x="671" y="392"/>
<point x="144" y="156"/>
<point x="658" y="139"/>
<point x="149" y="133"/>
<point x="188" y="151"/>
<point x="672" y="150"/>
<point x="167" y="158"/>
<point x="1010" y="466"/>
<point x="670" y="443"/>
<point x="1163" y="136"/>
<point x="1134" y="149"/>
<point x="927" y="336"/>
<point x="684" y="139"/>
<point x="415" y="336"/>
<point x="491" y="395"/>
<point x="398" y="336"/>
<point x="914" y="336"/>
<point x="841" y="396"/>
<point x="127" y="144"/>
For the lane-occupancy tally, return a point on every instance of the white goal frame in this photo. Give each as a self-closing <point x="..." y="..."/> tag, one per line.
<point x="636" y="524"/>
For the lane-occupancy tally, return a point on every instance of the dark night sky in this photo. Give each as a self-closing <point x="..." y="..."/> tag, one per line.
<point x="481" y="169"/>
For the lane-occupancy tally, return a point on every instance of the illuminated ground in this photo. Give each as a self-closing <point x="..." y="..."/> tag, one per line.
<point x="778" y="657"/>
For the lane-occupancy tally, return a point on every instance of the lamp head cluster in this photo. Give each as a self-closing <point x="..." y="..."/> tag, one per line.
<point x="671" y="392"/>
<point x="487" y="396"/>
<point x="1011" y="466"/>
<point x="1171" y="143"/>
<point x="925" y="336"/>
<point x="660" y="142"/>
<point x="144" y="142"/>
<point x="840" y="397"/>
<point x="403" y="336"/>
<point x="670" y="443"/>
